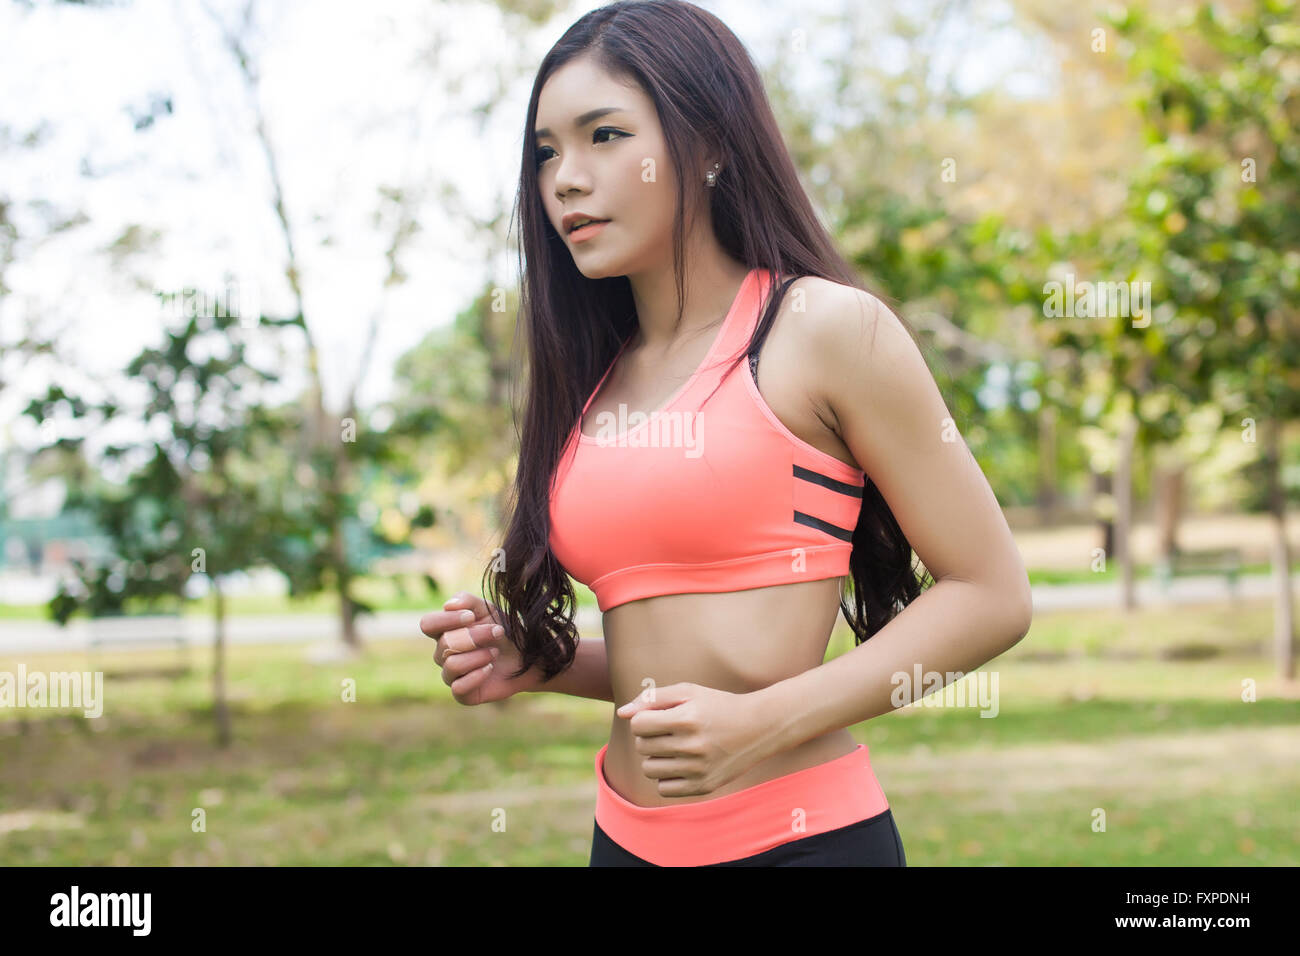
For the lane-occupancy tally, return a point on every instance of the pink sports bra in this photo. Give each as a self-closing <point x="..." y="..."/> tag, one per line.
<point x="701" y="496"/>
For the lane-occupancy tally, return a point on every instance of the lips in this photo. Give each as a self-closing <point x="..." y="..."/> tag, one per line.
<point x="589" y="222"/>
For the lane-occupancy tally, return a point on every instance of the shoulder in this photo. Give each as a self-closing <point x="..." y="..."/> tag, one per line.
<point x="830" y="310"/>
<point x="852" y="338"/>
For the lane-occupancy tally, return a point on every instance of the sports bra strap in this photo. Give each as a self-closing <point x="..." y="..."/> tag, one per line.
<point x="753" y="358"/>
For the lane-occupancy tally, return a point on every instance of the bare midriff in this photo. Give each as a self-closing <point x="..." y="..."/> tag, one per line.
<point x="738" y="641"/>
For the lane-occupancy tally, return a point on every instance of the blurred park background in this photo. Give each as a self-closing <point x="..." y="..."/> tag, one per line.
<point x="257" y="360"/>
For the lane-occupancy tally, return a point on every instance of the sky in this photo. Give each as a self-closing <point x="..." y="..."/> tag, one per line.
<point x="354" y="96"/>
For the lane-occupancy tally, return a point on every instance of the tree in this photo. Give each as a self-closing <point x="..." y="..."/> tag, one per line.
<point x="1213" y="219"/>
<point x="191" y="500"/>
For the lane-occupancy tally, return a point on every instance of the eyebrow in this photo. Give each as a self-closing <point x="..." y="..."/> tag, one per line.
<point x="582" y="120"/>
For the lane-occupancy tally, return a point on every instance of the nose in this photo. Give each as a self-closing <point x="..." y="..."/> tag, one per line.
<point x="570" y="178"/>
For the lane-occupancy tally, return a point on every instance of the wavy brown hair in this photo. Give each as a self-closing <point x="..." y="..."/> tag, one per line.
<point x="709" y="96"/>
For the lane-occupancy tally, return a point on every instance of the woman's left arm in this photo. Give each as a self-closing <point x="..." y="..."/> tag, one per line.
<point x="872" y="378"/>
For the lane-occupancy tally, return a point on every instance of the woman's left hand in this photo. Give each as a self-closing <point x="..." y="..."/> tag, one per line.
<point x="694" y="739"/>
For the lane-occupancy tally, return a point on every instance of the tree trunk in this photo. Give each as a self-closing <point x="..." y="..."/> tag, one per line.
<point x="219" y="708"/>
<point x="1047" y="466"/>
<point x="347" y="610"/>
<point x="1124" y="513"/>
<point x="338" y="545"/>
<point x="1101" y="491"/>
<point x="1283" y="618"/>
<point x="1169" y="506"/>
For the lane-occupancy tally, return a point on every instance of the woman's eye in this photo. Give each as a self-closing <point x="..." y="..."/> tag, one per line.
<point x="542" y="157"/>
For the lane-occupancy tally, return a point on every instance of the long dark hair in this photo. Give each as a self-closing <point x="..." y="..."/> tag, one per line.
<point x="700" y="78"/>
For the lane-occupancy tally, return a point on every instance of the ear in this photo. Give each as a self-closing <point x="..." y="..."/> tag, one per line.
<point x="703" y="155"/>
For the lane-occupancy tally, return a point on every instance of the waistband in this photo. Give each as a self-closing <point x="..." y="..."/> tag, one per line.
<point x="813" y="800"/>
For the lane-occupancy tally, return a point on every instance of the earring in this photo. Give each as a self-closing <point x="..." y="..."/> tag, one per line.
<point x="711" y="176"/>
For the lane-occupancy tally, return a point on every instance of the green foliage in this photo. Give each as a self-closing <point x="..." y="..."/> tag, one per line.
<point x="1211" y="221"/>
<point x="192" y="499"/>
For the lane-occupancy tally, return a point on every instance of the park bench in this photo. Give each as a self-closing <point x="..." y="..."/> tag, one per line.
<point x="140" y="631"/>
<point x="1224" y="561"/>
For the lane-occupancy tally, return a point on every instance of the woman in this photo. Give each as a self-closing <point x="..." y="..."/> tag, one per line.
<point x="718" y="519"/>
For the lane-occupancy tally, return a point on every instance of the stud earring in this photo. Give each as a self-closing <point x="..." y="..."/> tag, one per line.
<point x="711" y="176"/>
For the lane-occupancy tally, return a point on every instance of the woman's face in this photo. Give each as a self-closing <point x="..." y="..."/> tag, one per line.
<point x="612" y="166"/>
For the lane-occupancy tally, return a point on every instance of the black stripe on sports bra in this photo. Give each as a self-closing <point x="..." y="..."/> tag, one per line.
<point x="834" y="484"/>
<point x="826" y="481"/>
<point x="844" y="534"/>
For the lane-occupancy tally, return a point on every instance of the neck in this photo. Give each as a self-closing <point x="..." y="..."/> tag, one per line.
<point x="711" y="284"/>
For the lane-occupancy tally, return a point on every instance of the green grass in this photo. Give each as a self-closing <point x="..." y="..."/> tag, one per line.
<point x="1096" y="714"/>
<point x="1084" y="575"/>
<point x="24" y="612"/>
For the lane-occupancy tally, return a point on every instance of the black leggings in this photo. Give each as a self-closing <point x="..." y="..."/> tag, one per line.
<point x="871" y="842"/>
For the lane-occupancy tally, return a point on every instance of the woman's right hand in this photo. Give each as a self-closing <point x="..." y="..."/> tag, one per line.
<point x="475" y="657"/>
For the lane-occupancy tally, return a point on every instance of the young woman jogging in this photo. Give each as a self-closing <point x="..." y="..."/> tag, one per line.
<point x="729" y="440"/>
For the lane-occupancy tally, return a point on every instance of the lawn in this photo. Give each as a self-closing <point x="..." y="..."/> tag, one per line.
<point x="1096" y="715"/>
